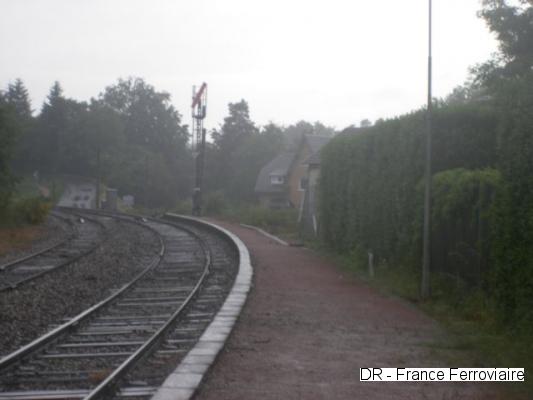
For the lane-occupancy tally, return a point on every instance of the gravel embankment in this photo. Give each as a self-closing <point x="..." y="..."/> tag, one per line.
<point x="29" y="311"/>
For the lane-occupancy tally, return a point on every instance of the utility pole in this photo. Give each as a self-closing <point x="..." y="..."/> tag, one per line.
<point x="426" y="266"/>
<point x="98" y="178"/>
<point x="145" y="191"/>
<point x="199" y="106"/>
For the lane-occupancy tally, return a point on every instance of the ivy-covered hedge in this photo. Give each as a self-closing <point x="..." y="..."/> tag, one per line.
<point x="462" y="222"/>
<point x="369" y="177"/>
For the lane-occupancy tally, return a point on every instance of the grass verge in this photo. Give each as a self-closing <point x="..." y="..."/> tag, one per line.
<point x="474" y="337"/>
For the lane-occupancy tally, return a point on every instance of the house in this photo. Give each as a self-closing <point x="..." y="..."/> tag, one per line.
<point x="308" y="212"/>
<point x="271" y="186"/>
<point x="284" y="181"/>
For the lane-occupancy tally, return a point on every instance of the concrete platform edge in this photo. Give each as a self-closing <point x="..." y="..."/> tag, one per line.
<point x="265" y="233"/>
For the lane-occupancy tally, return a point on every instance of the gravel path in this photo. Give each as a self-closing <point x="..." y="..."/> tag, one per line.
<point x="30" y="311"/>
<point x="307" y="329"/>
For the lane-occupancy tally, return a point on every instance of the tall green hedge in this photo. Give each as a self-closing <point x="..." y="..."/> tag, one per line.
<point x="369" y="177"/>
<point x="513" y="275"/>
<point x="371" y="195"/>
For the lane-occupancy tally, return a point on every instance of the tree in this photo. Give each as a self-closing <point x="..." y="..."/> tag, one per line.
<point x="228" y="140"/>
<point x="59" y="137"/>
<point x="513" y="27"/>
<point x="8" y="134"/>
<point x="237" y="126"/>
<point x="365" y="123"/>
<point x="293" y="133"/>
<point x="508" y="78"/>
<point x="17" y="96"/>
<point x="153" y="161"/>
<point x="320" y="129"/>
<point x="18" y="99"/>
<point x="51" y="122"/>
<point x="239" y="151"/>
<point x="252" y="154"/>
<point x="149" y="117"/>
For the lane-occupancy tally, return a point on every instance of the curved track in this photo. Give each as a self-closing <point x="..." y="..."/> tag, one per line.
<point x="87" y="236"/>
<point x="94" y="354"/>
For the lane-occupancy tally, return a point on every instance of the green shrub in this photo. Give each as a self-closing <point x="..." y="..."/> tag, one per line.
<point x="215" y="203"/>
<point x="462" y="219"/>
<point x="183" y="207"/>
<point x="31" y="210"/>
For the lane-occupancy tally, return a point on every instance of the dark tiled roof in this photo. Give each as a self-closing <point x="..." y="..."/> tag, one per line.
<point x="278" y="166"/>
<point x="281" y="164"/>
<point x="316" y="142"/>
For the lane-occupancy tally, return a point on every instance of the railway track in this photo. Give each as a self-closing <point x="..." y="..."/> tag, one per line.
<point x="87" y="234"/>
<point x="126" y="345"/>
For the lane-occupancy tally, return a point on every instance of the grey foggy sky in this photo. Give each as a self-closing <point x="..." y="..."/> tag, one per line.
<point x="337" y="61"/>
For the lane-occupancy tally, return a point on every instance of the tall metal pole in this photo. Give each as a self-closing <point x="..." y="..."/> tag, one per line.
<point x="426" y="267"/>
<point x="98" y="178"/>
<point x="145" y="191"/>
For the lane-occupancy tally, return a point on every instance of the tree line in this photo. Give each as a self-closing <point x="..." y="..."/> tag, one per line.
<point x="136" y="141"/>
<point x="371" y="185"/>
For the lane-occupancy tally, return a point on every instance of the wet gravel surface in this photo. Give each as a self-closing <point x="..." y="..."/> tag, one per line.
<point x="54" y="230"/>
<point x="30" y="311"/>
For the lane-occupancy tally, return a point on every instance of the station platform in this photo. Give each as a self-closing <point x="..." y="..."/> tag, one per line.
<point x="308" y="327"/>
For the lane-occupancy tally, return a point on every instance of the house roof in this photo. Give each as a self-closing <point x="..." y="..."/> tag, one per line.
<point x="278" y="166"/>
<point x="316" y="142"/>
<point x="282" y="164"/>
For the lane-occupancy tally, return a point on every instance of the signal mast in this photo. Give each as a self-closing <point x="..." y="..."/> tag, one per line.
<point x="199" y="106"/>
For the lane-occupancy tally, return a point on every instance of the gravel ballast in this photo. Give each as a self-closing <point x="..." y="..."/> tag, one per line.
<point x="35" y="308"/>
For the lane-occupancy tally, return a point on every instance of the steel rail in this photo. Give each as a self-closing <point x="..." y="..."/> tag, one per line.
<point x="38" y="343"/>
<point x="107" y="386"/>
<point x="10" y="265"/>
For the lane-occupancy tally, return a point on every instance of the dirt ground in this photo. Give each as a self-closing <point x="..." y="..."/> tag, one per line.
<point x="307" y="329"/>
<point x="16" y="239"/>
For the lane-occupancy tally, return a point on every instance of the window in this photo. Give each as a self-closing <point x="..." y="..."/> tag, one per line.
<point x="303" y="184"/>
<point x="277" y="179"/>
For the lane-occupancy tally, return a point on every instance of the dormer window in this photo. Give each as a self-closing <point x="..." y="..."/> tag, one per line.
<point x="277" y="179"/>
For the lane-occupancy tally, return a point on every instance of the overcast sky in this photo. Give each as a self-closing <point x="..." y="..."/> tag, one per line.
<point x="337" y="61"/>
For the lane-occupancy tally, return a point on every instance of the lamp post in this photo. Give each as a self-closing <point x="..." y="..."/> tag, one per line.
<point x="425" y="289"/>
<point x="98" y="177"/>
<point x="145" y="191"/>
